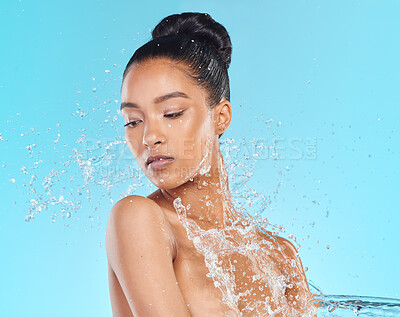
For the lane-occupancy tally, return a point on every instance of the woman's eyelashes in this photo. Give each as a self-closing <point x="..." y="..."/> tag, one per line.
<point x="132" y="123"/>
<point x="169" y="115"/>
<point x="174" y="115"/>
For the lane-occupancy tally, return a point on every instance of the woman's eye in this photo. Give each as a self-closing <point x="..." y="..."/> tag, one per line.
<point x="170" y="115"/>
<point x="132" y="123"/>
<point x="173" y="115"/>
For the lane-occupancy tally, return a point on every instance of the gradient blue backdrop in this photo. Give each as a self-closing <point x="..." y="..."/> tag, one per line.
<point x="328" y="71"/>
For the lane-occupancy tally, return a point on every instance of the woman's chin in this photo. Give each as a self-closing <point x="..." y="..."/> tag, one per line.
<point x="164" y="183"/>
<point x="172" y="178"/>
<point x="168" y="183"/>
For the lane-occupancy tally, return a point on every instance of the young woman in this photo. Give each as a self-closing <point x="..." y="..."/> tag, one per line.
<point x="183" y="250"/>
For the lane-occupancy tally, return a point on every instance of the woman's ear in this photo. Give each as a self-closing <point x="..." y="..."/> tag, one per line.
<point x="223" y="116"/>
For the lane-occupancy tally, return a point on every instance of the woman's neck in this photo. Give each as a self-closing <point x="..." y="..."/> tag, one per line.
<point x="206" y="197"/>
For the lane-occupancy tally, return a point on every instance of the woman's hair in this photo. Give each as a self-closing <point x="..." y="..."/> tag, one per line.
<point x="200" y="43"/>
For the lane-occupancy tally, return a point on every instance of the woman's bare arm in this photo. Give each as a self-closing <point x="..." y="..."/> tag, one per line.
<point x="140" y="254"/>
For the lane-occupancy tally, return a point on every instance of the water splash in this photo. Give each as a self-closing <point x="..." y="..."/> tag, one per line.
<point x="49" y="192"/>
<point x="246" y="263"/>
<point x="205" y="164"/>
<point x="265" y="292"/>
<point x="347" y="305"/>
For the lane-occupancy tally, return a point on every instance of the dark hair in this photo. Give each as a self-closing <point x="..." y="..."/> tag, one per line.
<point x="200" y="43"/>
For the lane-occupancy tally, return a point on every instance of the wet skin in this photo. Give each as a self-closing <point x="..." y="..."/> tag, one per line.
<point x="154" y="269"/>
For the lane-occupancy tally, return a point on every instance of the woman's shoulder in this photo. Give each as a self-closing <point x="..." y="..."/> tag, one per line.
<point x="137" y="211"/>
<point x="131" y="201"/>
<point x="282" y="244"/>
<point x="139" y="218"/>
<point x="135" y="208"/>
<point x="287" y="246"/>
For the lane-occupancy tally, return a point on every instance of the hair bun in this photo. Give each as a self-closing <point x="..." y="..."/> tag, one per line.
<point x="200" y="26"/>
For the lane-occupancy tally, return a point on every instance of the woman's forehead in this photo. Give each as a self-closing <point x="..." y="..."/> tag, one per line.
<point x="155" y="77"/>
<point x="158" y="67"/>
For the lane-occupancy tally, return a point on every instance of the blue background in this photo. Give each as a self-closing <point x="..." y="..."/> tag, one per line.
<point x="318" y="74"/>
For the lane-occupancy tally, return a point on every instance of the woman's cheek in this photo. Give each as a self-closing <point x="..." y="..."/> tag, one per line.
<point x="132" y="143"/>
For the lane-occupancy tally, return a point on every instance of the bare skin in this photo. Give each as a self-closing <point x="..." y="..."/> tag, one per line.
<point x="154" y="269"/>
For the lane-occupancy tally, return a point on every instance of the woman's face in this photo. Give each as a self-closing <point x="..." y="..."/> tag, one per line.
<point x="166" y="114"/>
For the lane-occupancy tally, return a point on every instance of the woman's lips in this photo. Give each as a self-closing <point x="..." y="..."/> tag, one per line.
<point x="160" y="164"/>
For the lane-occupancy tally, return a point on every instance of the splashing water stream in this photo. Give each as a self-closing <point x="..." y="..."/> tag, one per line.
<point x="220" y="248"/>
<point x="238" y="242"/>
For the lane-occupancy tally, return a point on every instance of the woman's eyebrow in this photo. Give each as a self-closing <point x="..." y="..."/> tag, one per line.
<point x="159" y="99"/>
<point x="174" y="94"/>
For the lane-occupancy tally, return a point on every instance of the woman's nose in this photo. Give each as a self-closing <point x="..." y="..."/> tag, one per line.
<point x="153" y="135"/>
